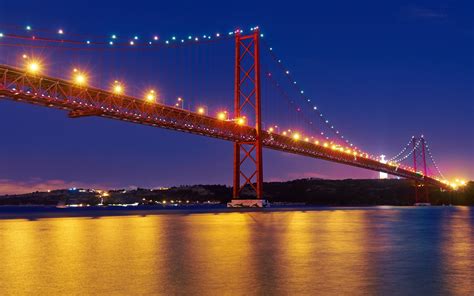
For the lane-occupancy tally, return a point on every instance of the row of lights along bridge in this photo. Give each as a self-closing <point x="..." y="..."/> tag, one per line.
<point x="80" y="78"/>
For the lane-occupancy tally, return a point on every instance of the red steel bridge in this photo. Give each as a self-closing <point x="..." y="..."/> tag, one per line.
<point x="29" y="85"/>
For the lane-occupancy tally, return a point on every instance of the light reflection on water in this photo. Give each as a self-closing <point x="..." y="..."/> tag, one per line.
<point x="399" y="251"/>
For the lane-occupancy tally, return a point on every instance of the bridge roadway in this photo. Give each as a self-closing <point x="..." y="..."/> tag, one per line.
<point x="21" y="86"/>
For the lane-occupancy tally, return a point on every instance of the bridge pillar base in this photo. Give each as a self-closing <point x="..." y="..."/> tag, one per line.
<point x="422" y="204"/>
<point x="248" y="203"/>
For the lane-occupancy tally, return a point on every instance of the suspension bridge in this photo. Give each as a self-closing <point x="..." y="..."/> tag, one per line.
<point x="246" y="123"/>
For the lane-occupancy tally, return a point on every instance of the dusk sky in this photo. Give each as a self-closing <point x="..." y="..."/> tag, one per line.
<point x="381" y="70"/>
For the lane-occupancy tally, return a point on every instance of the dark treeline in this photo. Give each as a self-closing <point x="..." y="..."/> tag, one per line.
<point x="309" y="191"/>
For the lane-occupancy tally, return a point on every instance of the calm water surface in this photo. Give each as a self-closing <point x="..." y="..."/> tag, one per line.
<point x="369" y="251"/>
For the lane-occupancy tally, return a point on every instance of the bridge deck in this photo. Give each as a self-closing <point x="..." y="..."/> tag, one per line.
<point x="80" y="101"/>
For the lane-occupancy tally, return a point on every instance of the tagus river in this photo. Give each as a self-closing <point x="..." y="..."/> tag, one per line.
<point x="325" y="251"/>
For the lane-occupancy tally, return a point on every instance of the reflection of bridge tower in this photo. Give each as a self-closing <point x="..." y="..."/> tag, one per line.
<point x="419" y="165"/>
<point x="383" y="175"/>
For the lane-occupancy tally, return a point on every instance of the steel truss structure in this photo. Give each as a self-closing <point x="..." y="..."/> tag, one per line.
<point x="19" y="85"/>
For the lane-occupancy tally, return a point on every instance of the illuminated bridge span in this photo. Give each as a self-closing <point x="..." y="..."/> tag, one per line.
<point x="29" y="85"/>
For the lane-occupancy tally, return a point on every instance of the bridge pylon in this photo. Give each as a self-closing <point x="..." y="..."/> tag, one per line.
<point x="248" y="157"/>
<point x="419" y="159"/>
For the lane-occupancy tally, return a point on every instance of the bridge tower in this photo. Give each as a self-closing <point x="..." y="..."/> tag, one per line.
<point x="248" y="160"/>
<point x="419" y="163"/>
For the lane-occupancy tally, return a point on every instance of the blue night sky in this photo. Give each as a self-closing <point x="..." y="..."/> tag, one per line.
<point x="381" y="70"/>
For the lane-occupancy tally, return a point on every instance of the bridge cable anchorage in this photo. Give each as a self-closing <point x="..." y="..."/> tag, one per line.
<point x="308" y="100"/>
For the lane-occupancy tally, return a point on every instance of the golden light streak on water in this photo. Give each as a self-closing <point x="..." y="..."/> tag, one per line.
<point x="374" y="251"/>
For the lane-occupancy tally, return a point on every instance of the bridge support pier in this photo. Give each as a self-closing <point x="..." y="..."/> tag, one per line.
<point x="248" y="157"/>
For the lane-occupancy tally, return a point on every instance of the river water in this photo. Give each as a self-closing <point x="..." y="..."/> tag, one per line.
<point x="328" y="251"/>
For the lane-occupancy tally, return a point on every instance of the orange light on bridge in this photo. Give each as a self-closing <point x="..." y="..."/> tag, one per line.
<point x="201" y="110"/>
<point x="33" y="66"/>
<point x="270" y="130"/>
<point x="241" y="120"/>
<point x="150" y="97"/>
<point x="222" y="115"/>
<point x="296" y="136"/>
<point x="79" y="77"/>
<point x="117" y="88"/>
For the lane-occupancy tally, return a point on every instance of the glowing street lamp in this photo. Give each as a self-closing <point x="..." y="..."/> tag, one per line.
<point x="202" y="110"/>
<point x="222" y="115"/>
<point x="273" y="128"/>
<point x="296" y="136"/>
<point x="180" y="103"/>
<point x="241" y="120"/>
<point x="79" y="77"/>
<point x="150" y="97"/>
<point x="117" y="88"/>
<point x="33" y="66"/>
